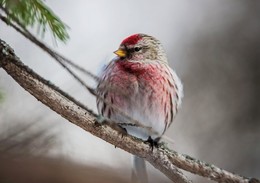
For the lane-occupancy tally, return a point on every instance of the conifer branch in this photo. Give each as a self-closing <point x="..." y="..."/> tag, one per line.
<point x="35" y="13"/>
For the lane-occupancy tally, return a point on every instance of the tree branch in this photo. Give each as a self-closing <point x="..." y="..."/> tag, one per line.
<point x="161" y="158"/>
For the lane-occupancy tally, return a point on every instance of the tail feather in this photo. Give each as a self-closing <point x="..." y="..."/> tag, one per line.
<point x="139" y="174"/>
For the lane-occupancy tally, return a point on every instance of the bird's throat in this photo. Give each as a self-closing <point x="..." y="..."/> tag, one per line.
<point x="135" y="68"/>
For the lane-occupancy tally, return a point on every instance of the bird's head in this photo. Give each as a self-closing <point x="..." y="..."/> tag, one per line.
<point x="141" y="47"/>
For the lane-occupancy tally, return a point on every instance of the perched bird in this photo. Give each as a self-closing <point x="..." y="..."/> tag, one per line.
<point x="141" y="84"/>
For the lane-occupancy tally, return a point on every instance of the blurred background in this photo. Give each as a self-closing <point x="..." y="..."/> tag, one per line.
<point x="214" y="46"/>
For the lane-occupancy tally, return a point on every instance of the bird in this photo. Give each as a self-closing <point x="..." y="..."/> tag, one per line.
<point x="140" y="82"/>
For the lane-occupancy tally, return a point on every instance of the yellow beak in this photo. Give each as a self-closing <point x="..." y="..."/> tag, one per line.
<point x="120" y="53"/>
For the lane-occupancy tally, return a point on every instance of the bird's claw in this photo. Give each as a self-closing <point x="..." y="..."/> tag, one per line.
<point x="153" y="142"/>
<point x="121" y="130"/>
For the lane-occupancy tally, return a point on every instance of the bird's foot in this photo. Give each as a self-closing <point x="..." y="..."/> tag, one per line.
<point x="102" y="120"/>
<point x="153" y="142"/>
<point x="121" y="130"/>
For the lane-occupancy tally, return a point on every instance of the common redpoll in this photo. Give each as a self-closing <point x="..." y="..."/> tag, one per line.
<point x="141" y="84"/>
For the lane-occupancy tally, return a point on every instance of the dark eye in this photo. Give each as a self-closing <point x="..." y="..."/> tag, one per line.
<point x="137" y="49"/>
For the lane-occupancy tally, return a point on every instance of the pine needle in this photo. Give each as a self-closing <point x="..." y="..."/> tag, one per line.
<point x="35" y="13"/>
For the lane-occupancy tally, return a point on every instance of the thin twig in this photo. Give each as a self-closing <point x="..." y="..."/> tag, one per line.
<point x="44" y="47"/>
